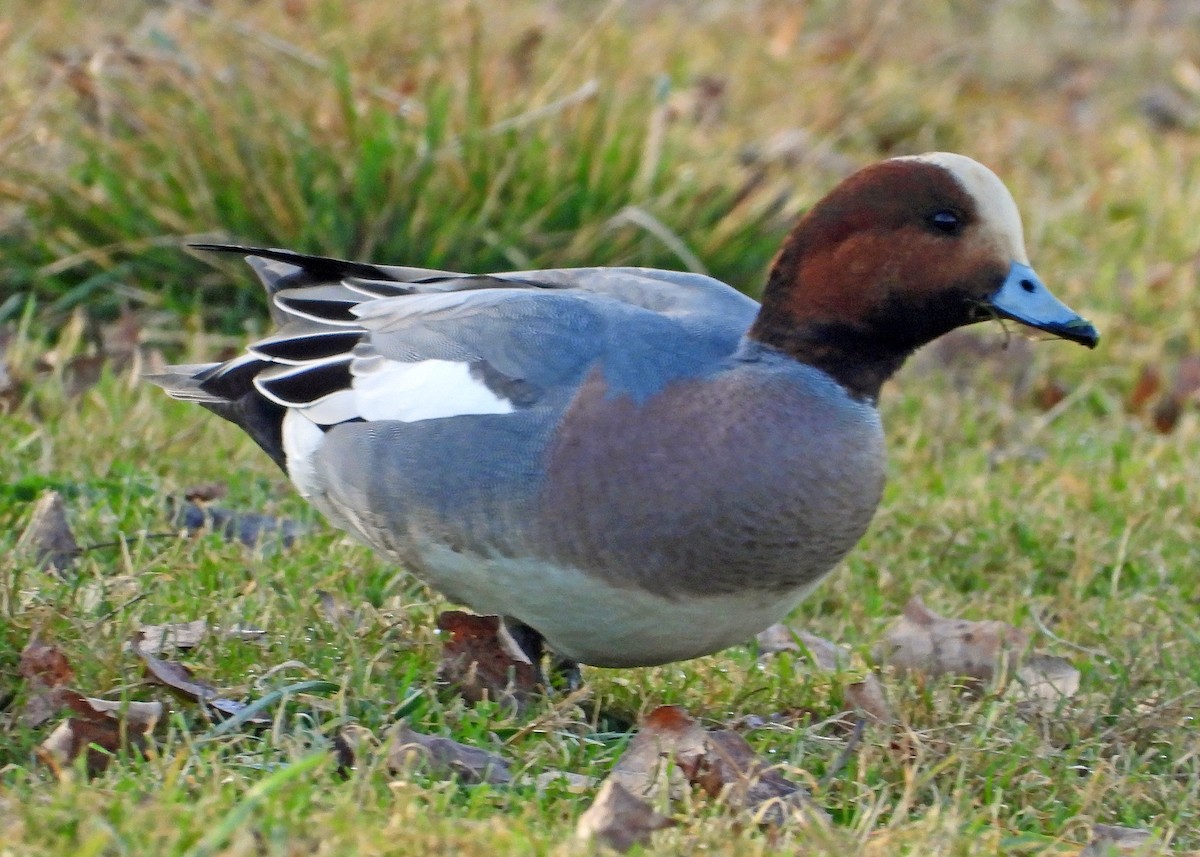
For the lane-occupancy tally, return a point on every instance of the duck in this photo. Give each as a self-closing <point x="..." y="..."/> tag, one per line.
<point x="630" y="466"/>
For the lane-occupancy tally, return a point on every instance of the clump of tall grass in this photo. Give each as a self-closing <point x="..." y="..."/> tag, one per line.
<point x="217" y="131"/>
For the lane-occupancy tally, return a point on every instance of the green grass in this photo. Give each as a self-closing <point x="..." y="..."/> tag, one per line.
<point x="1082" y="518"/>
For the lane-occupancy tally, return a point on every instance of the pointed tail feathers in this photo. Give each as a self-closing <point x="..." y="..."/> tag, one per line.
<point x="230" y="394"/>
<point x="184" y="382"/>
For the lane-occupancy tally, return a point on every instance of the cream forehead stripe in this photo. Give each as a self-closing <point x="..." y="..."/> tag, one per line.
<point x="996" y="206"/>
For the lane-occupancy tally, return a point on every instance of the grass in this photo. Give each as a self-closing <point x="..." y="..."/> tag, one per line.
<point x="409" y="133"/>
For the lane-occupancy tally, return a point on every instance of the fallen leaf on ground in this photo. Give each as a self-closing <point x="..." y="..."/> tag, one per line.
<point x="444" y="758"/>
<point x="1148" y="383"/>
<point x="101" y="727"/>
<point x="249" y="528"/>
<point x="47" y="671"/>
<point x="1049" y="393"/>
<point x="1043" y="682"/>
<point x="179" y="678"/>
<point x="1109" y="840"/>
<point x="157" y="639"/>
<point x="866" y="695"/>
<point x="671" y="751"/>
<point x="619" y="819"/>
<point x="665" y="753"/>
<point x="1165" y="415"/>
<point x="481" y="660"/>
<point x="922" y="641"/>
<point x="1184" y="388"/>
<point x="44" y="663"/>
<point x="732" y="771"/>
<point x="48" y="535"/>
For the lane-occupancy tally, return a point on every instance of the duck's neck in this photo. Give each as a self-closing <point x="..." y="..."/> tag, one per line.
<point x="844" y="352"/>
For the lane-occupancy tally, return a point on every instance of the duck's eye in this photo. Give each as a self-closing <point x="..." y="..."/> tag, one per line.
<point x="946" y="221"/>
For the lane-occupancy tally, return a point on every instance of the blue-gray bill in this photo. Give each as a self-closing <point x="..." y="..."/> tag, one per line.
<point x="1024" y="298"/>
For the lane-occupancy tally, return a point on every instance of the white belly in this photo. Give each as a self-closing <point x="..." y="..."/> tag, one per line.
<point x="589" y="621"/>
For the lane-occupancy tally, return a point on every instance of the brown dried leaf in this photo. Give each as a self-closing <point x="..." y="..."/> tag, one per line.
<point x="619" y="819"/>
<point x="1044" y="682"/>
<point x="732" y="770"/>
<point x="1185" y="388"/>
<point x="349" y="743"/>
<point x="1166" y="414"/>
<point x="139" y="717"/>
<point x="45" y="664"/>
<point x="780" y="638"/>
<point x="671" y="751"/>
<point x="1149" y="382"/>
<point x="102" y="728"/>
<point x="1109" y="840"/>
<point x="866" y="695"/>
<point x="179" y="679"/>
<point x="48" y="535"/>
<point x="444" y="758"/>
<point x="925" y="642"/>
<point x="157" y="639"/>
<point x="47" y="671"/>
<point x="709" y="97"/>
<point x="664" y="754"/>
<point x="481" y="660"/>
<point x="1049" y="393"/>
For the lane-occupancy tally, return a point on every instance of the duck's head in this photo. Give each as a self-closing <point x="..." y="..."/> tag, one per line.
<point x="896" y="255"/>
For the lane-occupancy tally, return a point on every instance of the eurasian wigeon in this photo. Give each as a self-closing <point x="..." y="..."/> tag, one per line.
<point x="637" y="466"/>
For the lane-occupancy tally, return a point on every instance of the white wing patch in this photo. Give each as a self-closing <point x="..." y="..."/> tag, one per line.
<point x="301" y="440"/>
<point x="382" y="389"/>
<point x="427" y="390"/>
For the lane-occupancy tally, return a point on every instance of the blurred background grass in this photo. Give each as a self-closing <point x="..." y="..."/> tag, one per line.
<point x="485" y="136"/>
